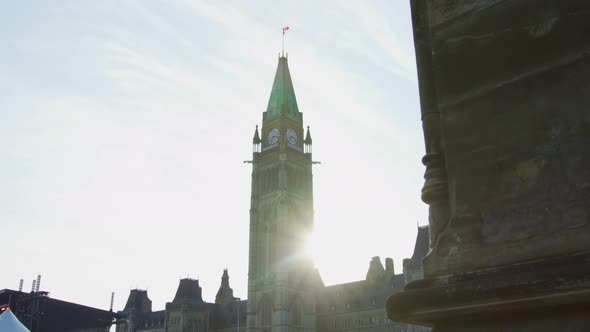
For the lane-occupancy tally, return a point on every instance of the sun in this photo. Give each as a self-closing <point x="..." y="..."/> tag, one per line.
<point x="311" y="248"/>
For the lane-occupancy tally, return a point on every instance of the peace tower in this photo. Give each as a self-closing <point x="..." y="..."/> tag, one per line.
<point x="281" y="279"/>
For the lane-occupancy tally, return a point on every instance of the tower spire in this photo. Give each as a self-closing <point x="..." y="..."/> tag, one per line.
<point x="282" y="101"/>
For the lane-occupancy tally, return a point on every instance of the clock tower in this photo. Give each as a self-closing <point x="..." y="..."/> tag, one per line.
<point x="282" y="280"/>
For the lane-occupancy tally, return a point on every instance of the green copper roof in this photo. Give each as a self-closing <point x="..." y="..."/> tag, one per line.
<point x="282" y="97"/>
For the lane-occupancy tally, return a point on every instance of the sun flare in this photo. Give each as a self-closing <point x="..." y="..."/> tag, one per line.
<point x="311" y="248"/>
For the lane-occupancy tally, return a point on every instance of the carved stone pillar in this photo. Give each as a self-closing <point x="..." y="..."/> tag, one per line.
<point x="504" y="101"/>
<point x="435" y="192"/>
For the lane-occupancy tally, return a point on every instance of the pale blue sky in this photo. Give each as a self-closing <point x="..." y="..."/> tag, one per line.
<point x="124" y="125"/>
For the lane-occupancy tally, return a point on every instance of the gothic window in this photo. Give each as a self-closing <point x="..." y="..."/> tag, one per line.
<point x="264" y="249"/>
<point x="296" y="313"/>
<point x="273" y="254"/>
<point x="271" y="179"/>
<point x="265" y="311"/>
<point x="266" y="181"/>
<point x="348" y="323"/>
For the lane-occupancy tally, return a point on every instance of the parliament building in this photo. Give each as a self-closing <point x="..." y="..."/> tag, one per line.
<point x="285" y="290"/>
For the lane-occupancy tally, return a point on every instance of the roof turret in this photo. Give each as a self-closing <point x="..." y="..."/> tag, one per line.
<point x="256" y="139"/>
<point x="307" y="136"/>
<point x="225" y="294"/>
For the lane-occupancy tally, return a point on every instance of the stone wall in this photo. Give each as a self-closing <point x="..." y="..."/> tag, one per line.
<point x="504" y="102"/>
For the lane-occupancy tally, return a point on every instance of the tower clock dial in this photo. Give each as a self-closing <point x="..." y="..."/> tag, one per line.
<point x="291" y="137"/>
<point x="273" y="136"/>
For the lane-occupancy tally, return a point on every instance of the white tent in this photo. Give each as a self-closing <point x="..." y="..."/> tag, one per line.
<point x="9" y="323"/>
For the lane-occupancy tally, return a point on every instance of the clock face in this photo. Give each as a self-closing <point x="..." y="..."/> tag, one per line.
<point x="273" y="136"/>
<point x="291" y="137"/>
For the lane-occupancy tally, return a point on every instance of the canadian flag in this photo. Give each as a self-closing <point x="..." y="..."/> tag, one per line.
<point x="285" y="29"/>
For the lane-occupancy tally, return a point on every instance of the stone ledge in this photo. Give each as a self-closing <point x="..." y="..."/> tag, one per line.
<point x="535" y="286"/>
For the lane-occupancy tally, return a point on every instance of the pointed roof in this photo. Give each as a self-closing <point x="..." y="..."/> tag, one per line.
<point x="256" y="139"/>
<point x="282" y="101"/>
<point x="308" y="136"/>
<point x="421" y="246"/>
<point x="138" y="301"/>
<point x="225" y="294"/>
<point x="188" y="292"/>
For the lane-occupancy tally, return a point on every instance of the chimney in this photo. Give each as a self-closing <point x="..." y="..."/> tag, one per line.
<point x="20" y="285"/>
<point x="112" y="300"/>
<point x="406" y="264"/>
<point x="376" y="270"/>
<point x="389" y="269"/>
<point x="33" y="287"/>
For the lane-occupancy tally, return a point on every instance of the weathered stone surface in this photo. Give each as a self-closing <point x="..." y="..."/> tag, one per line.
<point x="505" y="110"/>
<point x="508" y="83"/>
<point x="520" y="171"/>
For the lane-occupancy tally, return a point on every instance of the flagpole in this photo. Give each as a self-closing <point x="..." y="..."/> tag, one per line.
<point x="284" y="30"/>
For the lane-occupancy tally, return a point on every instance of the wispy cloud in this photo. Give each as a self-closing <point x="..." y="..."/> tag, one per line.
<point x="139" y="139"/>
<point x="377" y="36"/>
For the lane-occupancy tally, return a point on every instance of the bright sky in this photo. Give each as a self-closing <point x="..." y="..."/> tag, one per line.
<point x="124" y="126"/>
